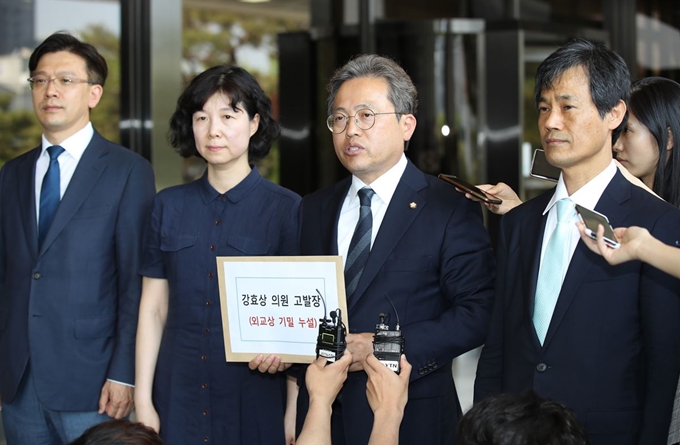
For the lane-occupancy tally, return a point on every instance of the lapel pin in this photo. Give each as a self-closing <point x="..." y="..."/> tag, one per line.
<point x="413" y="205"/>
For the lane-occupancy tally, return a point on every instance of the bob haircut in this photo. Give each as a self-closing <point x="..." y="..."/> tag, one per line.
<point x="97" y="69"/>
<point x="607" y="73"/>
<point x="244" y="93"/>
<point x="655" y="101"/>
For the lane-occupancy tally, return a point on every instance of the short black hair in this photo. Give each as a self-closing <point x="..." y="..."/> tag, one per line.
<point x="527" y="419"/>
<point x="97" y="70"/>
<point x="242" y="90"/>
<point x="607" y="73"/>
<point x="655" y="102"/>
<point x="119" y="432"/>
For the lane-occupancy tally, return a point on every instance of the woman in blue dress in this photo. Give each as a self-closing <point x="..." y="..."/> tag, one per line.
<point x="184" y="387"/>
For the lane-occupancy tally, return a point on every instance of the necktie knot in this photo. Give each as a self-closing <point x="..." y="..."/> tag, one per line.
<point x="365" y="196"/>
<point x="565" y="209"/>
<point x="54" y="151"/>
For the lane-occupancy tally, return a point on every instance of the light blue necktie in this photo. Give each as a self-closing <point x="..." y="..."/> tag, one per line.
<point x="49" y="193"/>
<point x="551" y="273"/>
<point x="360" y="245"/>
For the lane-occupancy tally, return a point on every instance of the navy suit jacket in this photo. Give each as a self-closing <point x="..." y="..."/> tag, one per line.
<point x="612" y="351"/>
<point x="433" y="258"/>
<point x="70" y="308"/>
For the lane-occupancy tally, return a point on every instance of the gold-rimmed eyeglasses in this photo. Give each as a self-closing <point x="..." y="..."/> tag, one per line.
<point x="60" y="82"/>
<point x="364" y="119"/>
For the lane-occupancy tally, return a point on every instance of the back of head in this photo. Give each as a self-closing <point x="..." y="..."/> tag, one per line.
<point x="119" y="432"/>
<point x="97" y="69"/>
<point x="242" y="90"/>
<point x="401" y="91"/>
<point x="508" y="419"/>
<point x="655" y="102"/>
<point x="607" y="73"/>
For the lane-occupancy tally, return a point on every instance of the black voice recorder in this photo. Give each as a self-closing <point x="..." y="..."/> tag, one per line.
<point x="331" y="343"/>
<point x="388" y="345"/>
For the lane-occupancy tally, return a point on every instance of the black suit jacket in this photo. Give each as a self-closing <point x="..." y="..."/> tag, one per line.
<point x="71" y="307"/>
<point x="612" y="349"/>
<point x="433" y="258"/>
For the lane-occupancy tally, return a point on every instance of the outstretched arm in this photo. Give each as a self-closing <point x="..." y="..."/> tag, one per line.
<point x="387" y="395"/>
<point x="636" y="244"/>
<point x="502" y="191"/>
<point x="323" y="384"/>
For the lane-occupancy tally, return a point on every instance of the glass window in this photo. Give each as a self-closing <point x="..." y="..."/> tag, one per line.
<point x="23" y="25"/>
<point x="240" y="34"/>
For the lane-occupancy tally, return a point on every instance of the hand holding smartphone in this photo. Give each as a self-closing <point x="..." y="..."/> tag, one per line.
<point x="466" y="187"/>
<point x="541" y="168"/>
<point x="592" y="219"/>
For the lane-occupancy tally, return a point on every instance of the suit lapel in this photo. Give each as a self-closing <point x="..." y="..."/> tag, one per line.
<point x="331" y="206"/>
<point x="617" y="192"/>
<point x="26" y="192"/>
<point x="399" y="216"/>
<point x="87" y="173"/>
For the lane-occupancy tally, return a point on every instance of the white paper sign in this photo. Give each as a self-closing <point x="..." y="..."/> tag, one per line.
<point x="272" y="305"/>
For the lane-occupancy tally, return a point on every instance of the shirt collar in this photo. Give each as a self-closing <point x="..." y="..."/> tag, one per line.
<point x="385" y="185"/>
<point x="588" y="195"/>
<point x="238" y="192"/>
<point x="75" y="144"/>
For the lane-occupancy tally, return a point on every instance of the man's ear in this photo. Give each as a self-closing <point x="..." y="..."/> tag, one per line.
<point x="617" y="114"/>
<point x="96" y="92"/>
<point x="408" y="124"/>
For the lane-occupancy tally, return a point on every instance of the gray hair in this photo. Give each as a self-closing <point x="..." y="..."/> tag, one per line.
<point x="400" y="89"/>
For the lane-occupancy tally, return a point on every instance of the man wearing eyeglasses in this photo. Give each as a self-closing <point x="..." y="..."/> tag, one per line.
<point x="406" y="239"/>
<point x="72" y="212"/>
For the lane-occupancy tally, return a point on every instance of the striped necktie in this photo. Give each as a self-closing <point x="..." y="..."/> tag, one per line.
<point x="360" y="245"/>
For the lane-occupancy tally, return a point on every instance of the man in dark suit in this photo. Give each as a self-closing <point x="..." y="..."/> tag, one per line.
<point x="602" y="340"/>
<point x="72" y="212"/>
<point x="424" y="249"/>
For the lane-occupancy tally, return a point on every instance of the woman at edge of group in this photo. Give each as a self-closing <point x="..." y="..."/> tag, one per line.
<point x="185" y="389"/>
<point x="646" y="150"/>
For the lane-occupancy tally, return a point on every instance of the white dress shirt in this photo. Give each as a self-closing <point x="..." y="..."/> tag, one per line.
<point x="74" y="147"/>
<point x="384" y="188"/>
<point x="587" y="196"/>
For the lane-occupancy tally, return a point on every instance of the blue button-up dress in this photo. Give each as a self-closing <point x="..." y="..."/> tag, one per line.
<point x="201" y="398"/>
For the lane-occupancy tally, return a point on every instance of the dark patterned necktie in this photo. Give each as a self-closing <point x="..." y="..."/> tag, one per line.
<point x="360" y="245"/>
<point x="49" y="193"/>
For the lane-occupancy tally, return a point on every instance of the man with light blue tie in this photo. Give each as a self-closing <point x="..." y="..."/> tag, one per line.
<point x="604" y="341"/>
<point x="72" y="214"/>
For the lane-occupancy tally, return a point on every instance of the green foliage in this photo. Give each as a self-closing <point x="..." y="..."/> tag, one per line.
<point x="19" y="133"/>
<point x="106" y="115"/>
<point x="5" y="101"/>
<point x="210" y="38"/>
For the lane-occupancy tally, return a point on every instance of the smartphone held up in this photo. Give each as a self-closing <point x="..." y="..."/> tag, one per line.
<point x="466" y="187"/>
<point x="592" y="219"/>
